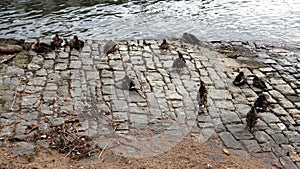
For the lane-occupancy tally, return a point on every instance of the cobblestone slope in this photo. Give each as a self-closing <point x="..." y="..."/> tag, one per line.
<point x="52" y="89"/>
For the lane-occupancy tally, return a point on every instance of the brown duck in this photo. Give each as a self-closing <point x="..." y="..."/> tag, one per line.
<point x="164" y="45"/>
<point x="76" y="43"/>
<point x="202" y="95"/>
<point x="261" y="103"/>
<point x="41" y="47"/>
<point x="56" y="42"/>
<point x="259" y="83"/>
<point x="252" y="118"/>
<point x="240" y="79"/>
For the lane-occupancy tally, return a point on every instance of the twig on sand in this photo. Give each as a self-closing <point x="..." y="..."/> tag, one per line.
<point x="70" y="152"/>
<point x="102" y="151"/>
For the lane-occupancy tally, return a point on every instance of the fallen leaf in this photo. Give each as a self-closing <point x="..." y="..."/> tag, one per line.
<point x="226" y="151"/>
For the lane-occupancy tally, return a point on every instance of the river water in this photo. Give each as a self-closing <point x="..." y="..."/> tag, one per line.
<point x="270" y="21"/>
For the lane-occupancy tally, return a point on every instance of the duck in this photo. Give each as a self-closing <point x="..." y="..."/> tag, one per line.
<point x="164" y="45"/>
<point x="56" y="42"/>
<point x="129" y="84"/>
<point x="76" y="43"/>
<point x="110" y="47"/>
<point x="202" y="95"/>
<point x="261" y="103"/>
<point x="252" y="118"/>
<point x="146" y="43"/>
<point x="240" y="79"/>
<point x="180" y="62"/>
<point x="41" y="47"/>
<point x="259" y="83"/>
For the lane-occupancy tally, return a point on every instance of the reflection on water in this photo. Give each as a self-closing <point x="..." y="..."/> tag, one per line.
<point x="273" y="21"/>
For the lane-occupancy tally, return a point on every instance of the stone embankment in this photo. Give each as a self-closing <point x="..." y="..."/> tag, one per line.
<point x="85" y="91"/>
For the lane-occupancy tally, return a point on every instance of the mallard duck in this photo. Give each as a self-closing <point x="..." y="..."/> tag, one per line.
<point x="41" y="47"/>
<point x="110" y="47"/>
<point x="240" y="79"/>
<point x="164" y="45"/>
<point x="202" y="95"/>
<point x="56" y="42"/>
<point x="251" y="118"/>
<point x="76" y="43"/>
<point x="259" y="83"/>
<point x="261" y="103"/>
<point x="179" y="62"/>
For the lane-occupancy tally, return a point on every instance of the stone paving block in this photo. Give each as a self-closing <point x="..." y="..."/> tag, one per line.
<point x="24" y="148"/>
<point x="224" y="104"/>
<point x="286" y="104"/>
<point x="279" y="138"/>
<point x="61" y="66"/>
<point x="134" y="109"/>
<point x="258" y="73"/>
<point x="285" y="89"/>
<point x="218" y="94"/>
<point x="31" y="101"/>
<point x="288" y="78"/>
<point x="229" y="117"/>
<point x="213" y="112"/>
<point x="37" y="81"/>
<point x="287" y="120"/>
<point x="251" y="145"/>
<point x="14" y="71"/>
<point x="249" y="93"/>
<point x="266" y="69"/>
<point x="230" y="141"/>
<point x="263" y="137"/>
<point x="8" y="95"/>
<point x="293" y="136"/>
<point x="49" y="96"/>
<point x="269" y="118"/>
<point x="239" y="131"/>
<point x="242" y="109"/>
<point x="261" y="125"/>
<point x="108" y="90"/>
<point x="276" y="81"/>
<point x="278" y="110"/>
<point x="119" y="106"/>
<point x="268" y="158"/>
<point x="120" y="116"/>
<point x="75" y="64"/>
<point x="276" y="95"/>
<point x="287" y="163"/>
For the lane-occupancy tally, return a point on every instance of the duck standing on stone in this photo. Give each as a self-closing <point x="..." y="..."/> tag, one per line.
<point x="259" y="83"/>
<point x="240" y="79"/>
<point x="179" y="62"/>
<point x="202" y="95"/>
<point x="164" y="45"/>
<point x="261" y="103"/>
<point x="56" y="42"/>
<point x="41" y="47"/>
<point x="251" y="118"/>
<point x="76" y="43"/>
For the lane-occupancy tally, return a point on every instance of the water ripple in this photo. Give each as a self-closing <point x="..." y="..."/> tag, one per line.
<point x="273" y="21"/>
